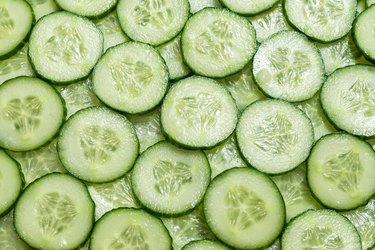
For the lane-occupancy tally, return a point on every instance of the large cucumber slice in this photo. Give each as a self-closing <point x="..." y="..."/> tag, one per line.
<point x="364" y="33"/>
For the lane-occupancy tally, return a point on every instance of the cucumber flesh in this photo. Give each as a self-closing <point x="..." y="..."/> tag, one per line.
<point x="9" y="240"/>
<point x="205" y="244"/>
<point x="364" y="33"/>
<point x="197" y="5"/>
<point x="42" y="8"/>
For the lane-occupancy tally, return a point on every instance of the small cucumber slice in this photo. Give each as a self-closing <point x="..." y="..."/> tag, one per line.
<point x="89" y="8"/>
<point x="9" y="239"/>
<point x="364" y="33"/>
<point x="197" y="5"/>
<point x="42" y="8"/>
<point x="205" y="244"/>
<point x="248" y="7"/>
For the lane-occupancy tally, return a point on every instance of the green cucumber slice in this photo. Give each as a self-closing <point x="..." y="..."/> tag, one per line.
<point x="348" y="99"/>
<point x="288" y="66"/>
<point x="197" y="5"/>
<point x="217" y="42"/>
<point x="244" y="208"/>
<point x="324" y="21"/>
<point x="370" y="2"/>
<point x="126" y="228"/>
<point x="364" y="33"/>
<point x="320" y="229"/>
<point x="9" y="239"/>
<point x="89" y="8"/>
<point x="42" y="8"/>
<point x="170" y="180"/>
<point x="54" y="212"/>
<point x="248" y="8"/>
<point x="31" y="113"/>
<point x="205" y="244"/>
<point x="97" y="145"/>
<point x="341" y="171"/>
<point x="198" y="112"/>
<point x="153" y="22"/>
<point x="274" y="136"/>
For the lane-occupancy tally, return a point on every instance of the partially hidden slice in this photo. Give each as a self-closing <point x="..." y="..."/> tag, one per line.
<point x="92" y="8"/>
<point x="364" y="33"/>
<point x="247" y="8"/>
<point x="205" y="245"/>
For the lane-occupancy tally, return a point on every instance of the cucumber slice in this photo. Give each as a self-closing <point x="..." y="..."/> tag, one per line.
<point x="295" y="191"/>
<point x="147" y="127"/>
<point x="17" y="65"/>
<point x="31" y="113"/>
<point x="320" y="229"/>
<point x="242" y="87"/>
<point x="274" y="136"/>
<point x="324" y="21"/>
<point x="111" y="195"/>
<point x="370" y="2"/>
<point x="269" y="22"/>
<point x="248" y="8"/>
<point x="198" y="112"/>
<point x="11" y="182"/>
<point x="172" y="55"/>
<point x="9" y="239"/>
<point x="131" y="77"/>
<point x="65" y="47"/>
<point x="170" y="180"/>
<point x="205" y="245"/>
<point x="348" y="99"/>
<point x="127" y="228"/>
<point x="54" y="212"/>
<point x="39" y="162"/>
<point x="97" y="145"/>
<point x="89" y="8"/>
<point x="341" y="171"/>
<point x="244" y="208"/>
<point x="217" y="43"/>
<point x="42" y="8"/>
<point x="13" y="29"/>
<point x="364" y="33"/>
<point x="152" y="22"/>
<point x="289" y="67"/>
<point x="197" y="5"/>
<point x="363" y="218"/>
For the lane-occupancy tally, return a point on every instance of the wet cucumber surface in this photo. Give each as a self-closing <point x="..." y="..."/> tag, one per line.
<point x="187" y="124"/>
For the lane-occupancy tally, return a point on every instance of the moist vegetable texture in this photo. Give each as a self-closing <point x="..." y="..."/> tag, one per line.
<point x="187" y="124"/>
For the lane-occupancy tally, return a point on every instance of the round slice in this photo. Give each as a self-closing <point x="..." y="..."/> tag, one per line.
<point x="11" y="182"/>
<point x="244" y="208"/>
<point x="131" y="77"/>
<point x="341" y="171"/>
<point x="89" y="8"/>
<point x="274" y="136"/>
<point x="288" y="66"/>
<point x="31" y="113"/>
<point x="97" y="145"/>
<point x="127" y="228"/>
<point x="205" y="245"/>
<point x="320" y="229"/>
<point x="54" y="212"/>
<point x="198" y="112"/>
<point x="65" y="47"/>
<point x="348" y="99"/>
<point x="170" y="180"/>
<point x="247" y="8"/>
<point x="364" y="33"/>
<point x="324" y="21"/>
<point x="14" y="29"/>
<point x="153" y="21"/>
<point x="217" y="42"/>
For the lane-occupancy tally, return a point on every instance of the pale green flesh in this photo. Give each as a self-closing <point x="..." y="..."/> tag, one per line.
<point x="152" y="22"/>
<point x="31" y="113"/>
<point x="321" y="229"/>
<point x="288" y="66"/>
<point x="217" y="43"/>
<point x="98" y="145"/>
<point x="90" y="8"/>
<point x="341" y="171"/>
<point x="9" y="239"/>
<point x="131" y="77"/>
<point x="205" y="244"/>
<point x="176" y="178"/>
<point x="364" y="32"/>
<point x="324" y="20"/>
<point x="248" y="7"/>
<point x="129" y="229"/>
<point x="274" y="136"/>
<point x="244" y="208"/>
<point x="348" y="99"/>
<point x="363" y="218"/>
<point x="55" y="212"/>
<point x="42" y="8"/>
<point x="198" y="112"/>
<point x="197" y="5"/>
<point x="370" y="2"/>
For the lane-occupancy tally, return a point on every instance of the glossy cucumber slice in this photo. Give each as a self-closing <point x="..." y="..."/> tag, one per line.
<point x="364" y="33"/>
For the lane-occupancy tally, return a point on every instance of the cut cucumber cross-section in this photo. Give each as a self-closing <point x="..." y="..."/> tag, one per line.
<point x="244" y="208"/>
<point x="341" y="171"/>
<point x="248" y="7"/>
<point x="217" y="42"/>
<point x="274" y="136"/>
<point x="288" y="66"/>
<point x="198" y="112"/>
<point x="126" y="228"/>
<point x="364" y="33"/>
<point x="206" y="245"/>
<point x="89" y="8"/>
<point x="97" y="145"/>
<point x="169" y="180"/>
<point x="31" y="113"/>
<point x="54" y="212"/>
